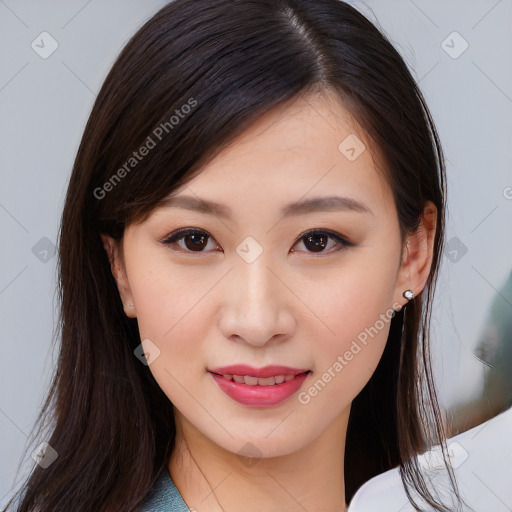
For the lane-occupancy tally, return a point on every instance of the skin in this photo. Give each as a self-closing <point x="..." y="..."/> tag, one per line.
<point x="291" y="306"/>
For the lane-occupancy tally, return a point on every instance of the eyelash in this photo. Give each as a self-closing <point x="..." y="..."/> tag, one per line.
<point x="182" y="233"/>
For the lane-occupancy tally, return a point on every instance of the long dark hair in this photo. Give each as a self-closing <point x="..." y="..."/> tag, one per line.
<point x="191" y="79"/>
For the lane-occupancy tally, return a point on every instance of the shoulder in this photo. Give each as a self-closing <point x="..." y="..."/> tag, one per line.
<point x="475" y="456"/>
<point x="164" y="496"/>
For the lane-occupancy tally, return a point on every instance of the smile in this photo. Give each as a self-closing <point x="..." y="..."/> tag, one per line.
<point x="258" y="381"/>
<point x="260" y="392"/>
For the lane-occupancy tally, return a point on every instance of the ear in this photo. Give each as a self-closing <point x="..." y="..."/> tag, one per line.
<point x="117" y="266"/>
<point x="417" y="256"/>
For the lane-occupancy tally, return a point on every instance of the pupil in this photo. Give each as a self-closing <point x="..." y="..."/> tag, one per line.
<point x="317" y="245"/>
<point x="318" y="242"/>
<point x="197" y="241"/>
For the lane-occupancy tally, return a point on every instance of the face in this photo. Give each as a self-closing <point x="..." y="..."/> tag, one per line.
<point x="311" y="288"/>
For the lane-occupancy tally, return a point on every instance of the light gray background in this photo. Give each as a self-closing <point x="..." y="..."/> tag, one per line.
<point x="44" y="105"/>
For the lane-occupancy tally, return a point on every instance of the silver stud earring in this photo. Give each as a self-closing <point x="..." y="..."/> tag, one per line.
<point x="408" y="294"/>
<point x="128" y="305"/>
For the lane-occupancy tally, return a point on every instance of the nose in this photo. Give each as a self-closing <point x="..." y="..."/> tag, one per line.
<point x="257" y="304"/>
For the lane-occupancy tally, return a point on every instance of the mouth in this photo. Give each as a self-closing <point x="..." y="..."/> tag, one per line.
<point x="251" y="380"/>
<point x="264" y="387"/>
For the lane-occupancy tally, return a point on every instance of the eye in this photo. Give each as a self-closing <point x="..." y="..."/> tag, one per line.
<point x="196" y="240"/>
<point x="317" y="240"/>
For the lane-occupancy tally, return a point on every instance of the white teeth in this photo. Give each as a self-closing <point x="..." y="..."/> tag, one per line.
<point x="267" y="381"/>
<point x="251" y="381"/>
<point x="259" y="381"/>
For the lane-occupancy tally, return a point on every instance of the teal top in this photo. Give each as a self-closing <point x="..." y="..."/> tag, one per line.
<point x="164" y="496"/>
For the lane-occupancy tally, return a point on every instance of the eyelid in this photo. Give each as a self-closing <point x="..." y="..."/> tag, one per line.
<point x="321" y="231"/>
<point x="181" y="233"/>
<point x="342" y="241"/>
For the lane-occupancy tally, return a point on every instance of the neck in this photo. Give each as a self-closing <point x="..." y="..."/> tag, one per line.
<point x="310" y="478"/>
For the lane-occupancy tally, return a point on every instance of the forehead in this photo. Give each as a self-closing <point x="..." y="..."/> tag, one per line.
<point x="309" y="147"/>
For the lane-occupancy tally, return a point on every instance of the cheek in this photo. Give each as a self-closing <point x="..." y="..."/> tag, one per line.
<point x="356" y="309"/>
<point x="178" y="326"/>
<point x="174" y="320"/>
<point x="166" y="296"/>
<point x="172" y="314"/>
<point x="343" y="316"/>
<point x="346" y="360"/>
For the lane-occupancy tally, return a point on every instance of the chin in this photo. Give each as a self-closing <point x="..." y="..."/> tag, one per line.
<point x="262" y="447"/>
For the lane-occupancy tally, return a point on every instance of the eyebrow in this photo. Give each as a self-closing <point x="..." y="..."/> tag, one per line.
<point x="319" y="204"/>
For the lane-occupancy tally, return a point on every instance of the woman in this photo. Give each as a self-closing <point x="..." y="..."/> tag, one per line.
<point x="248" y="255"/>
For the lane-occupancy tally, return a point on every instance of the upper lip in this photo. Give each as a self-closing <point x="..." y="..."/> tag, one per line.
<point x="266" y="371"/>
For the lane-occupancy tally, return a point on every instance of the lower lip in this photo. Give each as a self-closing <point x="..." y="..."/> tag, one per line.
<point x="260" y="396"/>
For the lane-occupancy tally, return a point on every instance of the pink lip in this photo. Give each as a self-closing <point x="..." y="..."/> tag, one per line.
<point x="259" y="396"/>
<point x="266" y="371"/>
